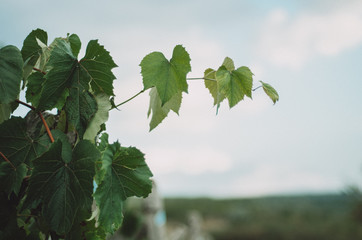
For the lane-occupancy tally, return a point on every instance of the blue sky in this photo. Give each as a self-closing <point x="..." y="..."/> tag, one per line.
<point x="310" y="51"/>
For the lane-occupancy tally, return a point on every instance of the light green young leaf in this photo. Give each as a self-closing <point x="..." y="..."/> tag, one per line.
<point x="125" y="175"/>
<point x="235" y="84"/>
<point x="270" y="91"/>
<point x="66" y="186"/>
<point x="169" y="77"/>
<point x="229" y="64"/>
<point x="211" y="84"/>
<point x="160" y="112"/>
<point x="11" y="70"/>
<point x="100" y="117"/>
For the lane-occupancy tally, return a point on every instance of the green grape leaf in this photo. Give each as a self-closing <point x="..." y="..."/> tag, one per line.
<point x="10" y="178"/>
<point x="57" y="135"/>
<point x="97" y="64"/>
<point x="91" y="232"/>
<point x="80" y="107"/>
<point x="160" y="112"/>
<point x="125" y="175"/>
<point x="62" y="74"/>
<point x="100" y="117"/>
<point x="66" y="73"/>
<point x="246" y="77"/>
<point x="9" y="228"/>
<point x="32" y="50"/>
<point x="11" y="70"/>
<point x="102" y="145"/>
<point x="229" y="64"/>
<point x="234" y="84"/>
<point x="270" y="91"/>
<point x="169" y="77"/>
<point x="43" y="58"/>
<point x="17" y="144"/>
<point x="66" y="186"/>
<point x="34" y="88"/>
<point x="86" y="230"/>
<point x="5" y="111"/>
<point x="211" y="84"/>
<point x="75" y="44"/>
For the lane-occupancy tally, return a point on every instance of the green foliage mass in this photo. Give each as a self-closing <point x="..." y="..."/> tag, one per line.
<point x="50" y="162"/>
<point x="303" y="217"/>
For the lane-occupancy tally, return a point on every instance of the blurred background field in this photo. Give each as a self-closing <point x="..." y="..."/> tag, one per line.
<point x="329" y="217"/>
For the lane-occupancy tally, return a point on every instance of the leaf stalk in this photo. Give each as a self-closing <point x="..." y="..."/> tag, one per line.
<point x="129" y="99"/>
<point x="41" y="117"/>
<point x="7" y="160"/>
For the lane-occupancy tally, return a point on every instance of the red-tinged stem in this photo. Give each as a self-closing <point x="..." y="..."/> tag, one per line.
<point x="25" y="104"/>
<point x="7" y="160"/>
<point x="46" y="127"/>
<point x="38" y="70"/>
<point x="41" y="117"/>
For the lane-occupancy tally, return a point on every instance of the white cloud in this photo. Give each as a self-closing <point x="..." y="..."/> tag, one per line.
<point x="291" y="41"/>
<point x="165" y="160"/>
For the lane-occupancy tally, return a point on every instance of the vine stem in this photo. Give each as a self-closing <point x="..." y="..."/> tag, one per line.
<point x="130" y="98"/>
<point x="7" y="160"/>
<point x="202" y="78"/>
<point x="256" y="88"/>
<point x="41" y="117"/>
<point x="38" y="70"/>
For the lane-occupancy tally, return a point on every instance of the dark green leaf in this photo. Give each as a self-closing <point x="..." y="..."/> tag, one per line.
<point x="86" y="230"/>
<point x="9" y="228"/>
<point x="270" y="91"/>
<point x="62" y="74"/>
<point x="65" y="186"/>
<point x="66" y="73"/>
<point x="169" y="77"/>
<point x="5" y="111"/>
<point x="75" y="44"/>
<point x="34" y="88"/>
<point x="11" y="65"/>
<point x="103" y="142"/>
<point x="10" y="178"/>
<point x="97" y="64"/>
<point x="80" y="107"/>
<point x="160" y="112"/>
<point x="31" y="48"/>
<point x="125" y="174"/>
<point x="17" y="144"/>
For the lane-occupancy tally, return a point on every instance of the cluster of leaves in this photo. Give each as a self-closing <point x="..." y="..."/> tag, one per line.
<point x="51" y="162"/>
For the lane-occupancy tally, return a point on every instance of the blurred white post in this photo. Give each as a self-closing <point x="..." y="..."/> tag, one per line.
<point x="154" y="215"/>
